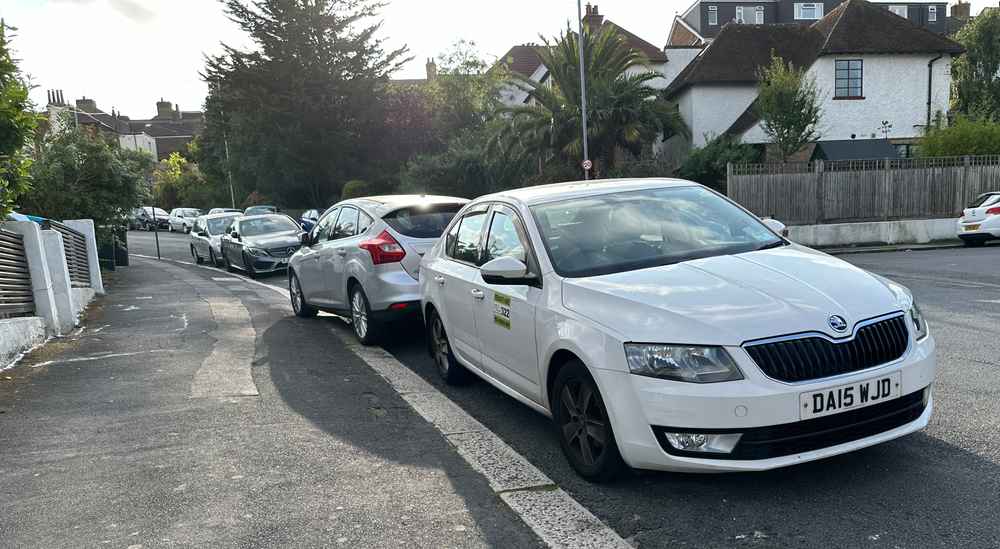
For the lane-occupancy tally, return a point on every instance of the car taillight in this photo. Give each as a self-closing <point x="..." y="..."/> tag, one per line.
<point x="384" y="249"/>
<point x="993" y="211"/>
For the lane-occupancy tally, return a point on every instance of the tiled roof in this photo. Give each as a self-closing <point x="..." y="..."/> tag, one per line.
<point x="653" y="53"/>
<point x="857" y="26"/>
<point x="523" y="60"/>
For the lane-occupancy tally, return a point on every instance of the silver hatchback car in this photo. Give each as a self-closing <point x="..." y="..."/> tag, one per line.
<point x="363" y="258"/>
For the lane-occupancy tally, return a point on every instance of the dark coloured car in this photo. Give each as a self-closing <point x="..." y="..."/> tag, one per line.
<point x="143" y="218"/>
<point x="260" y="243"/>
<point x="309" y="218"/>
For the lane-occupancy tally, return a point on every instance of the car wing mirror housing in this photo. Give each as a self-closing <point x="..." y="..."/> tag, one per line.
<point x="776" y="226"/>
<point x="507" y="271"/>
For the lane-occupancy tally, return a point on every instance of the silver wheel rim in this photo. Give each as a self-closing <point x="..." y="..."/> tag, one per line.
<point x="293" y="288"/>
<point x="359" y="316"/>
<point x="440" y="343"/>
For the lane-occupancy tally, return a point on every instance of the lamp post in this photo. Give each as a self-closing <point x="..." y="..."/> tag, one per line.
<point x="583" y="91"/>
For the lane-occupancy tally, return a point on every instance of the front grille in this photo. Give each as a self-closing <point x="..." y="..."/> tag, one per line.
<point x="814" y="357"/>
<point x="812" y="434"/>
<point x="282" y="252"/>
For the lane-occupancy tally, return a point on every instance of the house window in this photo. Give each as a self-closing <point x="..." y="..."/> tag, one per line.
<point x="849" y="76"/>
<point x="898" y="10"/>
<point x="811" y="11"/>
<point x="739" y="15"/>
<point x="713" y="15"/>
<point x="931" y="14"/>
<point x="758" y="16"/>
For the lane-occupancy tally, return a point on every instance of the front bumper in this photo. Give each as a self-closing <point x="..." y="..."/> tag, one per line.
<point x="268" y="264"/>
<point x="766" y="411"/>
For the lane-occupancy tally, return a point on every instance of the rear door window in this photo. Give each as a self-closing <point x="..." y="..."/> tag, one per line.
<point x="463" y="242"/>
<point x="422" y="221"/>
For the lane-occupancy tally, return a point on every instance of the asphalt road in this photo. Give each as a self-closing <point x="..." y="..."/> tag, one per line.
<point x="937" y="488"/>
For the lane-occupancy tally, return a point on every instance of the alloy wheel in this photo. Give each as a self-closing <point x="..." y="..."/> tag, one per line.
<point x="585" y="424"/>
<point x="359" y="314"/>
<point x="295" y="291"/>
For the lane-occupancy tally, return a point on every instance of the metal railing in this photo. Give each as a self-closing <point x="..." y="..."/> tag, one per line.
<point x="16" y="297"/>
<point x="75" y="244"/>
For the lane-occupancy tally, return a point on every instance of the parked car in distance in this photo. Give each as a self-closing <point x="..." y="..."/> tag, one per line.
<point x="260" y="243"/>
<point x="663" y="326"/>
<point x="259" y="210"/>
<point x="309" y="218"/>
<point x="206" y="236"/>
<point x="980" y="222"/>
<point x="363" y="256"/>
<point x="182" y="219"/>
<point x="224" y="210"/>
<point x="144" y="218"/>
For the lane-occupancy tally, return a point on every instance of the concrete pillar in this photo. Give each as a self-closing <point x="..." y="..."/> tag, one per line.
<point x="38" y="268"/>
<point x="86" y="226"/>
<point x="62" y="288"/>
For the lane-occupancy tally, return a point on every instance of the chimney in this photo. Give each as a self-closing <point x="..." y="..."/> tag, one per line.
<point x="432" y="69"/>
<point x="961" y="10"/>
<point x="593" y="19"/>
<point x="164" y="109"/>
<point x="86" y="105"/>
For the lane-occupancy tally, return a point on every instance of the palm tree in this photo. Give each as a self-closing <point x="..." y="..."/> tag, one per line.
<point x="624" y="111"/>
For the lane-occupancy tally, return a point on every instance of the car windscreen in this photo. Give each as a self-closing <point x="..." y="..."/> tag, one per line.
<point x="219" y="225"/>
<point x="257" y="210"/>
<point x="267" y="225"/>
<point x="189" y="212"/>
<point x="984" y="201"/>
<point x="422" y="221"/>
<point x="631" y="230"/>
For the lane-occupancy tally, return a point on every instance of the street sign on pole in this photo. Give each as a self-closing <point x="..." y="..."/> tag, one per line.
<point x="587" y="165"/>
<point x="583" y="88"/>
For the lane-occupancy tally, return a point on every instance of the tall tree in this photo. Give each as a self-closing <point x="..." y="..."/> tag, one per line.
<point x="17" y="126"/>
<point x="623" y="110"/>
<point x="300" y="110"/>
<point x="789" y="107"/>
<point x="975" y="76"/>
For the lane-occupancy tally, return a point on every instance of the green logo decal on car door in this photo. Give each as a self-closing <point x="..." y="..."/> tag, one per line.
<point x="501" y="310"/>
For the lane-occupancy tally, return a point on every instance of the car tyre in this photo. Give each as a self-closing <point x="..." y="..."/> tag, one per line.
<point x="365" y="327"/>
<point x="299" y="305"/>
<point x="248" y="264"/>
<point x="197" y="258"/>
<point x="973" y="242"/>
<point x="227" y="263"/>
<point x="212" y="260"/>
<point x="584" y="428"/>
<point x="439" y="346"/>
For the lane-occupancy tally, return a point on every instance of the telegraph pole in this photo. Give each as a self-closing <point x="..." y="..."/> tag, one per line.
<point x="583" y="92"/>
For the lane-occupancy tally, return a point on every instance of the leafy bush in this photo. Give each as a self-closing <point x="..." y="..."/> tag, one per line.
<point x="964" y="137"/>
<point x="17" y="125"/>
<point x="707" y="165"/>
<point x="355" y="188"/>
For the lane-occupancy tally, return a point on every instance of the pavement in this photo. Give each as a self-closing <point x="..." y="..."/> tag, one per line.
<point x="936" y="488"/>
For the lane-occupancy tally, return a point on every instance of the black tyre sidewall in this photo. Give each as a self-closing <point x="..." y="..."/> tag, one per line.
<point x="610" y="465"/>
<point x="456" y="374"/>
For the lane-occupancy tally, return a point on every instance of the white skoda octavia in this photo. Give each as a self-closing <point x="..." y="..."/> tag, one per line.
<point x="664" y="327"/>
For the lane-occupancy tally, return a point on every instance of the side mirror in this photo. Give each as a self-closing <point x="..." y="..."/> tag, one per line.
<point x="203" y="234"/>
<point x="776" y="226"/>
<point x="507" y="271"/>
<point x="235" y="235"/>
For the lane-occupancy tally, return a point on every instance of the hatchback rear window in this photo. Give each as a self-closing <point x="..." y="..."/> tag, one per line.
<point x="422" y="221"/>
<point x="984" y="201"/>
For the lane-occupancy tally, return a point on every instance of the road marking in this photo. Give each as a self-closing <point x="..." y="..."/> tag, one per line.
<point x="552" y="513"/>
<point x="100" y="356"/>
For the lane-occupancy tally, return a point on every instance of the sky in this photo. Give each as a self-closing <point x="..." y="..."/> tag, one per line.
<point x="127" y="54"/>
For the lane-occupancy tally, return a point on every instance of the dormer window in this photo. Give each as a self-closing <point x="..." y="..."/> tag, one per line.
<point x="809" y="11"/>
<point x="713" y="15"/>
<point x="758" y="15"/>
<point x="931" y="14"/>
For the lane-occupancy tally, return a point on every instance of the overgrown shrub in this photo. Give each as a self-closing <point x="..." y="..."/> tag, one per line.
<point x="964" y="137"/>
<point x="707" y="165"/>
<point x="355" y="188"/>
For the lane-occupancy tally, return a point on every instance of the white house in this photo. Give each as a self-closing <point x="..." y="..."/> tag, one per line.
<point x="872" y="68"/>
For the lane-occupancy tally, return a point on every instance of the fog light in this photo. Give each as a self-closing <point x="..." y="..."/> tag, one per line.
<point x="700" y="442"/>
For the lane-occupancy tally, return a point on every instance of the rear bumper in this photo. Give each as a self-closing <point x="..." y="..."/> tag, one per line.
<point x="390" y="285"/>
<point x="987" y="229"/>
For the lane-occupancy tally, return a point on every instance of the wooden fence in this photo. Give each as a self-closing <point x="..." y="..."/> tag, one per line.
<point x="75" y="245"/>
<point x="16" y="297"/>
<point x="806" y="193"/>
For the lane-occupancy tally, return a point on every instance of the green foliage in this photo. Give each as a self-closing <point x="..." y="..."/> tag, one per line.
<point x="465" y="91"/>
<point x="964" y="137"/>
<point x="789" y="107"/>
<point x="974" y="75"/>
<point x="302" y="108"/>
<point x="80" y="176"/>
<point x="179" y="183"/>
<point x="355" y="188"/>
<point x="707" y="165"/>
<point x="624" y="112"/>
<point x="17" y="126"/>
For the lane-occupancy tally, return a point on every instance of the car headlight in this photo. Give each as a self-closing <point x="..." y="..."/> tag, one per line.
<point x="682" y="363"/>
<point x="919" y="324"/>
<point x="256" y="252"/>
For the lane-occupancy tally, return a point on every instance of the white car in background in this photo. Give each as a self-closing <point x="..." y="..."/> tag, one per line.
<point x="663" y="326"/>
<point x="206" y="236"/>
<point x="980" y="222"/>
<point x="182" y="219"/>
<point x="362" y="259"/>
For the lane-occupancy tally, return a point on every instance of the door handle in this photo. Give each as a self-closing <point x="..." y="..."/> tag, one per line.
<point x="439" y="280"/>
<point x="479" y="294"/>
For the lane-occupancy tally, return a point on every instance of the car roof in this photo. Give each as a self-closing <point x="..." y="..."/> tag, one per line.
<point x="381" y="205"/>
<point x="579" y="189"/>
<point x="221" y="214"/>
